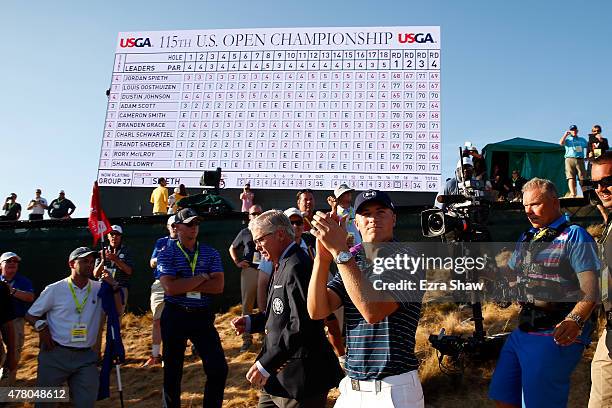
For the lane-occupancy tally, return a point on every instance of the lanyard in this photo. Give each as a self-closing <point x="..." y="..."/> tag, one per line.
<point x="192" y="262"/>
<point x="79" y="306"/>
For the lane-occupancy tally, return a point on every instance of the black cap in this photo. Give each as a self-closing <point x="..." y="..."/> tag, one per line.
<point x="81" y="252"/>
<point x="186" y="215"/>
<point x="369" y="196"/>
<point x="573" y="127"/>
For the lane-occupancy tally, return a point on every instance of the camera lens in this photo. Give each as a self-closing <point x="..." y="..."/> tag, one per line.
<point x="436" y="222"/>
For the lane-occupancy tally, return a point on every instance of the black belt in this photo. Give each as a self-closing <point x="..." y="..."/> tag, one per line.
<point x="72" y="348"/>
<point x="188" y="309"/>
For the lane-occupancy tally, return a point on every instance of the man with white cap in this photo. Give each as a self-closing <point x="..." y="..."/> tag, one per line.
<point x="157" y="291"/>
<point x="22" y="295"/>
<point x="67" y="318"/>
<point x="466" y="168"/>
<point x="117" y="262"/>
<point x="61" y="207"/>
<point x="343" y="200"/>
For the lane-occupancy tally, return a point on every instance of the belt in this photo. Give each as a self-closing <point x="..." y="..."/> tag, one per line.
<point x="366" y="386"/>
<point x="72" y="348"/>
<point x="188" y="309"/>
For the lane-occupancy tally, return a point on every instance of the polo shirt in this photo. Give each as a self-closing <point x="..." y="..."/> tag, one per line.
<point x="159" y="199"/>
<point x="375" y="351"/>
<point x="38" y="207"/>
<point x="173" y="262"/>
<point x="22" y="283"/>
<point x="160" y="245"/>
<point x="57" y="302"/>
<point x="575" y="147"/>
<point x="59" y="208"/>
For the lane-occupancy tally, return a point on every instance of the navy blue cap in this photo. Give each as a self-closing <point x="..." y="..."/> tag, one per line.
<point x="369" y="196"/>
<point x="573" y="127"/>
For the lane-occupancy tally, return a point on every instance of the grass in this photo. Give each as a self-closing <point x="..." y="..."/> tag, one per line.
<point x="142" y="386"/>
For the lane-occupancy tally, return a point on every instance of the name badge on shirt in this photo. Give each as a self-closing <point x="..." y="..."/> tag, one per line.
<point x="78" y="333"/>
<point x="596" y="152"/>
<point x="578" y="149"/>
<point x="194" y="295"/>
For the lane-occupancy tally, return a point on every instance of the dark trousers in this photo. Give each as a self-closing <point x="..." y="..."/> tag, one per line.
<point x="270" y="401"/>
<point x="33" y="217"/>
<point x="178" y="325"/>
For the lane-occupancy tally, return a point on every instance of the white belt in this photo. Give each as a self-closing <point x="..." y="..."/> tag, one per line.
<point x="409" y="377"/>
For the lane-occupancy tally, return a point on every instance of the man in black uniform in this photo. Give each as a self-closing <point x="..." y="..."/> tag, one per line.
<point x="297" y="366"/>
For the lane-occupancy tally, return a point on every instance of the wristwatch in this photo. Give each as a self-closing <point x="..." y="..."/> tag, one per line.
<point x="343" y="257"/>
<point x="40" y="325"/>
<point x="576" y="318"/>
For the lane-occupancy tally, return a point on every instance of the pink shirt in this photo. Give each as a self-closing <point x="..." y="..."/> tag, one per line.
<point x="247" y="201"/>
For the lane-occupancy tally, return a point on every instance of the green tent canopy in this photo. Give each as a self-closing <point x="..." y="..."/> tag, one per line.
<point x="532" y="158"/>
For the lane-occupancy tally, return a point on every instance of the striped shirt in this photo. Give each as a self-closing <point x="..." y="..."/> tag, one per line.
<point x="379" y="350"/>
<point x="172" y="262"/>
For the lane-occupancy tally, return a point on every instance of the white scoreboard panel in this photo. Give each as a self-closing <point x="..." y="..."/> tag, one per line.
<point x="278" y="108"/>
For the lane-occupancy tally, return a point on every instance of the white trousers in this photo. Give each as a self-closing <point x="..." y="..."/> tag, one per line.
<point x="397" y="391"/>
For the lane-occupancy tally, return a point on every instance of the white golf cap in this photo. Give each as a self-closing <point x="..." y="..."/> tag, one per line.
<point x="8" y="255"/>
<point x="289" y="212"/>
<point x="171" y="220"/>
<point x="341" y="189"/>
<point x="117" y="229"/>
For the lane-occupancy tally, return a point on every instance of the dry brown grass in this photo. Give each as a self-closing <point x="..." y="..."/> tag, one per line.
<point x="142" y="386"/>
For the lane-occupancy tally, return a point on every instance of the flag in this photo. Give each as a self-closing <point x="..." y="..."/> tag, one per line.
<point x="114" y="353"/>
<point x="98" y="223"/>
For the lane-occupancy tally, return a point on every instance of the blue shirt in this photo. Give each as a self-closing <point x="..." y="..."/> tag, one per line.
<point x="172" y="262"/>
<point x="24" y="284"/>
<point x="575" y="147"/>
<point x="375" y="351"/>
<point x="160" y="245"/>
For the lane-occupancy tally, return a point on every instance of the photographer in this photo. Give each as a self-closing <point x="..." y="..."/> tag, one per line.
<point x="596" y="147"/>
<point x="575" y="147"/>
<point x="557" y="266"/>
<point x="37" y="206"/>
<point x="452" y="186"/>
<point x="11" y="208"/>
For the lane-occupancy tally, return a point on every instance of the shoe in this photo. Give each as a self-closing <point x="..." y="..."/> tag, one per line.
<point x="152" y="361"/>
<point x="246" y="344"/>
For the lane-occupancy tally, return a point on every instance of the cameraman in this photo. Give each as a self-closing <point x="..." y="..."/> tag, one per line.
<point x="453" y="186"/>
<point x="557" y="265"/>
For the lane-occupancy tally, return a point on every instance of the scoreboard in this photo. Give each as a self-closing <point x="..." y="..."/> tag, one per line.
<point x="277" y="108"/>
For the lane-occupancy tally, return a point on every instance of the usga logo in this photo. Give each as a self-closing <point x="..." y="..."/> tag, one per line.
<point x="411" y="38"/>
<point x="134" y="42"/>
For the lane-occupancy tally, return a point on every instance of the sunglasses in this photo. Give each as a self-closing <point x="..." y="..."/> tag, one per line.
<point x="192" y="224"/>
<point x="604" y="182"/>
<point x="297" y="223"/>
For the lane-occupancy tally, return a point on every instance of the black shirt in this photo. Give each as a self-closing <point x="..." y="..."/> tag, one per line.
<point x="6" y="304"/>
<point x="59" y="208"/>
<point x="11" y="210"/>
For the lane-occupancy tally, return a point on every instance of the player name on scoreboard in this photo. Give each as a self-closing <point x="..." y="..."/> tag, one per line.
<point x="279" y="108"/>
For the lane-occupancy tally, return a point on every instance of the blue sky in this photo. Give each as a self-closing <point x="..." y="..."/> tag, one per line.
<point x="509" y="69"/>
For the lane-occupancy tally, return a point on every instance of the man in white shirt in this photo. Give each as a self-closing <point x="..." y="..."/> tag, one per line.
<point x="37" y="206"/>
<point x="67" y="318"/>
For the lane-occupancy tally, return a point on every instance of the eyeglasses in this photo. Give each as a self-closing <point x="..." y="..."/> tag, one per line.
<point x="297" y="223"/>
<point x="604" y="182"/>
<point x="259" y="240"/>
<point x="255" y="214"/>
<point x="192" y="224"/>
<point x="113" y="234"/>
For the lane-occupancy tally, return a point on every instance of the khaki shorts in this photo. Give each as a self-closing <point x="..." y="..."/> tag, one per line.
<point x="157" y="299"/>
<point x="574" y="166"/>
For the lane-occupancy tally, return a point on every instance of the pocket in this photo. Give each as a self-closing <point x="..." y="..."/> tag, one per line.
<point x="408" y="396"/>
